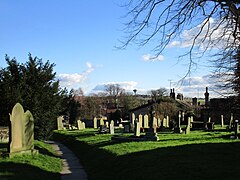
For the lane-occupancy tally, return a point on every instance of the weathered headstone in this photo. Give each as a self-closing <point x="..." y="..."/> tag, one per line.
<point x="188" y="128"/>
<point x="29" y="130"/>
<point x="111" y="127"/>
<point x="164" y="122"/>
<point x="60" y="123"/>
<point x="145" y="121"/>
<point x="79" y="124"/>
<point x="95" y="123"/>
<point x="107" y="124"/>
<point x="231" y="122"/>
<point x="22" y="131"/>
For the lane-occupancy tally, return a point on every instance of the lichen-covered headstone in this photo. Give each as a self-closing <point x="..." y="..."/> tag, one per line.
<point x="29" y="131"/>
<point x="22" y="131"/>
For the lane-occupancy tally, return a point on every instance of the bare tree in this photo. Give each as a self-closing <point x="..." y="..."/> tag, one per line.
<point x="211" y="23"/>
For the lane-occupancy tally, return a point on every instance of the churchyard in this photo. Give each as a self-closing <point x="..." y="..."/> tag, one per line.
<point x="144" y="147"/>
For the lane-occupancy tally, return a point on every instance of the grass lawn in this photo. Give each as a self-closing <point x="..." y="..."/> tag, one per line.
<point x="45" y="165"/>
<point x="199" y="155"/>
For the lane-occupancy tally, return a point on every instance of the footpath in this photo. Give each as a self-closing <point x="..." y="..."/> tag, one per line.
<point x="72" y="169"/>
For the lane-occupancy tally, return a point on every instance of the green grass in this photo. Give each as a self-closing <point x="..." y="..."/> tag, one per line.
<point x="45" y="165"/>
<point x="199" y="155"/>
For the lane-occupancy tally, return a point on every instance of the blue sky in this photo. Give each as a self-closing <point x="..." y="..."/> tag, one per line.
<point x="80" y="36"/>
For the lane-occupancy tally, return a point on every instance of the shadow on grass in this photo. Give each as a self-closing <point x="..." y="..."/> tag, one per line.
<point x="195" y="161"/>
<point x="9" y="170"/>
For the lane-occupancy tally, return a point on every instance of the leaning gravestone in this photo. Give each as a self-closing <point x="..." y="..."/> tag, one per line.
<point x="22" y="132"/>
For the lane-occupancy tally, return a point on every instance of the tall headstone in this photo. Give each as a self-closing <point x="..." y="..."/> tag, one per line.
<point x="95" y="123"/>
<point x="164" y="122"/>
<point x="17" y="129"/>
<point x="140" y="119"/>
<point x="222" y="121"/>
<point x="60" y="123"/>
<point x="22" y="131"/>
<point x="145" y="121"/>
<point x="111" y="127"/>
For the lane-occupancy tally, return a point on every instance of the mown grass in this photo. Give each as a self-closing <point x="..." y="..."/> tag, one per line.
<point x="199" y="155"/>
<point x="45" y="165"/>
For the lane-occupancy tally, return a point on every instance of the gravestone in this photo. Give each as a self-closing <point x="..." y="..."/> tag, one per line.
<point x="178" y="128"/>
<point x="222" y="121"/>
<point x="145" y="121"/>
<point x="60" y="123"/>
<point x="29" y="130"/>
<point x="167" y="122"/>
<point x="80" y="124"/>
<point x="22" y="132"/>
<point x="159" y="122"/>
<point x="154" y="122"/>
<point x="140" y="119"/>
<point x="133" y="119"/>
<point x="95" y="123"/>
<point x="164" y="122"/>
<point x="236" y="129"/>
<point x="101" y="122"/>
<point x="111" y="127"/>
<point x="188" y="128"/>
<point x="137" y="128"/>
<point x="231" y="122"/>
<point x="107" y="124"/>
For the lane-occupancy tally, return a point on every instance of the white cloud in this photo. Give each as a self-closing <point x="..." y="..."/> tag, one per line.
<point x="187" y="36"/>
<point x="149" y="57"/>
<point x="75" y="80"/>
<point x="196" y="86"/>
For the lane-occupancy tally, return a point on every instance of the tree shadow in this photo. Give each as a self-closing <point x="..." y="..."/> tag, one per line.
<point x="9" y="170"/>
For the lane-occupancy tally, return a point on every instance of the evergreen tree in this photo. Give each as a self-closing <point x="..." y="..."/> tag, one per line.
<point x="33" y="85"/>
